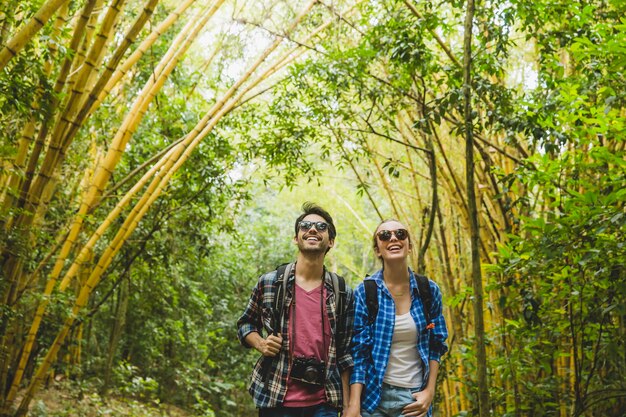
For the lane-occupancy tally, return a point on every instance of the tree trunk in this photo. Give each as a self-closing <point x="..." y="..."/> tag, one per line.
<point x="477" y="284"/>
<point x="116" y="331"/>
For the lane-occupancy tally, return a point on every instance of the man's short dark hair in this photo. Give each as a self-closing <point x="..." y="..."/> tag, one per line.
<point x="312" y="208"/>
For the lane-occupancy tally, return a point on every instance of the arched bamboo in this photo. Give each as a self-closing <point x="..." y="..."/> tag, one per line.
<point x="56" y="148"/>
<point x="145" y="45"/>
<point x="175" y="158"/>
<point x="104" y="170"/>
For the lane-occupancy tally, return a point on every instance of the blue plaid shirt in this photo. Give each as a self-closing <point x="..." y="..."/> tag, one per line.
<point x="258" y="316"/>
<point x="371" y="344"/>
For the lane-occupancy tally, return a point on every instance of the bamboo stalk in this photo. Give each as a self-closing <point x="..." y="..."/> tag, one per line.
<point x="358" y="176"/>
<point x="128" y="127"/>
<point x="97" y="51"/>
<point x="115" y="60"/>
<point x="385" y="184"/>
<point x="28" y="131"/>
<point x="56" y="148"/>
<point x="141" y="50"/>
<point x="25" y="34"/>
<point x="175" y="159"/>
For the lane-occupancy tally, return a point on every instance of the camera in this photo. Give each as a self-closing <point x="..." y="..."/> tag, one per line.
<point x="308" y="370"/>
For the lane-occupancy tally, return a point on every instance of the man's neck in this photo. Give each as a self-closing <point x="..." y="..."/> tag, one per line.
<point x="309" y="267"/>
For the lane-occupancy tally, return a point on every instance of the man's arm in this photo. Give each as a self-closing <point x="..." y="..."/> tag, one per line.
<point x="251" y="321"/>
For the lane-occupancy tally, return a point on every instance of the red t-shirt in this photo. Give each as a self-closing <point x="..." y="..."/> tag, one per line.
<point x="308" y="343"/>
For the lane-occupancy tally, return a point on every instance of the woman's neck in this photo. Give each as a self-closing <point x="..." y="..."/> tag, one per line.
<point x="396" y="272"/>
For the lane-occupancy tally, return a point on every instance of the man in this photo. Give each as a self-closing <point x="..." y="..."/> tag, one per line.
<point x="304" y="369"/>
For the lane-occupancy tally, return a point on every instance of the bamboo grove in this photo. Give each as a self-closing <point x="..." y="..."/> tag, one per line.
<point x="503" y="150"/>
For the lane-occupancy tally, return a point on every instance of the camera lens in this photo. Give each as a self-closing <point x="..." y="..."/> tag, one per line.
<point x="310" y="374"/>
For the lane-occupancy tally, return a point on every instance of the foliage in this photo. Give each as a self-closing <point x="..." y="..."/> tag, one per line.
<point x="351" y="125"/>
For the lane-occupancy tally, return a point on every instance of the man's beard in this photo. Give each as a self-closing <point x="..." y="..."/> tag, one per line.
<point x="311" y="251"/>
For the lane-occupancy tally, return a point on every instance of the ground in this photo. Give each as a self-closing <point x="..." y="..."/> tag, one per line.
<point x="62" y="399"/>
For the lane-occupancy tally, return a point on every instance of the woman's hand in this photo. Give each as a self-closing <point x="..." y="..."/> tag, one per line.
<point x="421" y="405"/>
<point x="353" y="410"/>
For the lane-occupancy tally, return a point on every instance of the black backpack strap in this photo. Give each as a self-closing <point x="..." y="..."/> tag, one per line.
<point x="280" y="294"/>
<point x="371" y="300"/>
<point x="423" y="286"/>
<point x="339" y="287"/>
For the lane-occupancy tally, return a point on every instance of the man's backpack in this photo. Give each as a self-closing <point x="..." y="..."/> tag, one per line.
<point x="371" y="298"/>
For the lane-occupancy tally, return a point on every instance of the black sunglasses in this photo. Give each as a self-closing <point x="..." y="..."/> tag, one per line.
<point x="385" y="235"/>
<point x="306" y="225"/>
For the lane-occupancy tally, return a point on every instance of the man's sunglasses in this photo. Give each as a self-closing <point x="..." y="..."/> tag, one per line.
<point x="385" y="235"/>
<point x="306" y="225"/>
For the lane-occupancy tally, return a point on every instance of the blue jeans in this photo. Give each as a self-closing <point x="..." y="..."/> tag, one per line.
<point x="392" y="401"/>
<point x="321" y="410"/>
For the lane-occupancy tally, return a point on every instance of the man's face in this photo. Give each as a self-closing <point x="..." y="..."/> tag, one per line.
<point x="312" y="240"/>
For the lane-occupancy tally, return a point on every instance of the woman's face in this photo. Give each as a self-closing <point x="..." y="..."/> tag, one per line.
<point x="392" y="242"/>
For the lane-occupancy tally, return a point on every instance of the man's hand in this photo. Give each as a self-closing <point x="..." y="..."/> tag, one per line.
<point x="421" y="405"/>
<point x="271" y="346"/>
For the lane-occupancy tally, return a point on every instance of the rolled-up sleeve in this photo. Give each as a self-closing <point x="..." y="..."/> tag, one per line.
<point x="251" y="319"/>
<point x="439" y="334"/>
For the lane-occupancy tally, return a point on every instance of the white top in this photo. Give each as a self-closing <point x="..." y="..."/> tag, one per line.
<point x="404" y="368"/>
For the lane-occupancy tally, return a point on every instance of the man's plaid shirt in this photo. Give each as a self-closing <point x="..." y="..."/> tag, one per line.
<point x="372" y="343"/>
<point x="259" y="316"/>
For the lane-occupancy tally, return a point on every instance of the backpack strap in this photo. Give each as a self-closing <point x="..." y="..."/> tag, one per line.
<point x="426" y="295"/>
<point x="339" y="287"/>
<point x="280" y="294"/>
<point x="371" y="300"/>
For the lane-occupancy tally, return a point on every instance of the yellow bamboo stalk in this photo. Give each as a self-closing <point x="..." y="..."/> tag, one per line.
<point x="80" y="116"/>
<point x="141" y="50"/>
<point x="104" y="170"/>
<point x="175" y="159"/>
<point x="77" y="95"/>
<point x="81" y="23"/>
<point x="112" y="64"/>
<point x="383" y="180"/>
<point x="25" y="34"/>
<point x="39" y="313"/>
<point x="82" y="49"/>
<point x="7" y="198"/>
<point x="52" y="158"/>
<point x="160" y="166"/>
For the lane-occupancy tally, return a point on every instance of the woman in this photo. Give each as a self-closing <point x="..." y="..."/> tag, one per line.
<point x="396" y="356"/>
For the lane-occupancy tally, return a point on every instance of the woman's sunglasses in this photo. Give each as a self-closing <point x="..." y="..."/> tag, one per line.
<point x="306" y="225"/>
<point x="385" y="235"/>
